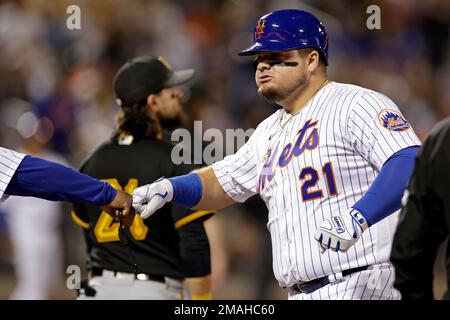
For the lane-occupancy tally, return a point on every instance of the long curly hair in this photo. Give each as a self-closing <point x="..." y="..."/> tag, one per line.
<point x="138" y="121"/>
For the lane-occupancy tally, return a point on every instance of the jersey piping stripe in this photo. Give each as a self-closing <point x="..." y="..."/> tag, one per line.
<point x="193" y="216"/>
<point x="78" y="221"/>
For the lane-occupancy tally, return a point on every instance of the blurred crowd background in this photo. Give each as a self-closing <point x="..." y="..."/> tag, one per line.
<point x="56" y="101"/>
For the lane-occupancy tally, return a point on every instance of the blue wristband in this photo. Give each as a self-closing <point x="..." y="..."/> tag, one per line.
<point x="187" y="190"/>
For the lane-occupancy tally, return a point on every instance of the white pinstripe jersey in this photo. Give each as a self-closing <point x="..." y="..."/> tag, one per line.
<point x="315" y="164"/>
<point x="9" y="161"/>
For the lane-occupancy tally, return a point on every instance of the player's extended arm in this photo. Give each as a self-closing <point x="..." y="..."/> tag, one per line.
<point x="40" y="178"/>
<point x="199" y="190"/>
<point x="382" y="199"/>
<point x="213" y="196"/>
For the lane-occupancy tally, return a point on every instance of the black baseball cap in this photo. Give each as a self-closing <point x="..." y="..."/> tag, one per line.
<point x="144" y="75"/>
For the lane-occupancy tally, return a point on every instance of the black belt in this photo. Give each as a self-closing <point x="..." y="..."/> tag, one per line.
<point x="313" y="285"/>
<point x="97" y="272"/>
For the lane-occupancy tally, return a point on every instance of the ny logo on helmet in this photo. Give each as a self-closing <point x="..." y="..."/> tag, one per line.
<point x="260" y="29"/>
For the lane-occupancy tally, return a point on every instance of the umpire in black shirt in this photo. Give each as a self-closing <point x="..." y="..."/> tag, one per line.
<point x="155" y="258"/>
<point x="424" y="219"/>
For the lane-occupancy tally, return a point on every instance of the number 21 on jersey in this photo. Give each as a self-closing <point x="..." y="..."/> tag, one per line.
<point x="310" y="178"/>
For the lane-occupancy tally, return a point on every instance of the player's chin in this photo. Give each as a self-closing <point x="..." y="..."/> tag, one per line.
<point x="269" y="92"/>
<point x="265" y="87"/>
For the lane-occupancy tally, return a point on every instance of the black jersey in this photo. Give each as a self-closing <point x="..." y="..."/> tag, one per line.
<point x="425" y="218"/>
<point x="153" y="244"/>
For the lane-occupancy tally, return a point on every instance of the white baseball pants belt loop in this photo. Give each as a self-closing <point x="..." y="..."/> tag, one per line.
<point x="313" y="285"/>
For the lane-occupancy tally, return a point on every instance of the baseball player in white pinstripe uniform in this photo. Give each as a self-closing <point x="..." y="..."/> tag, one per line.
<point x="27" y="176"/>
<point x="9" y="161"/>
<point x="331" y="166"/>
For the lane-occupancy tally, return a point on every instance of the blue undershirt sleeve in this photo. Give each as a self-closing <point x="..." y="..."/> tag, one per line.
<point x="36" y="177"/>
<point x="384" y="195"/>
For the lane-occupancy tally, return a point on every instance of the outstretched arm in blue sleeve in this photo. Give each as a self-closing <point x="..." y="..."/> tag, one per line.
<point x="48" y="180"/>
<point x="385" y="194"/>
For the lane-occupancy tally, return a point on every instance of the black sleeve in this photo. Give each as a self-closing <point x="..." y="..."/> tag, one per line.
<point x="194" y="243"/>
<point x="194" y="249"/>
<point x="421" y="228"/>
<point x="79" y="214"/>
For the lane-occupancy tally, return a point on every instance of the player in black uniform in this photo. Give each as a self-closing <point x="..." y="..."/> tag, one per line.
<point x="148" y="260"/>
<point x="425" y="219"/>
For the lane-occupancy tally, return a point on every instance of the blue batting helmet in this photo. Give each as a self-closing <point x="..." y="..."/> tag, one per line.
<point x="286" y="30"/>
